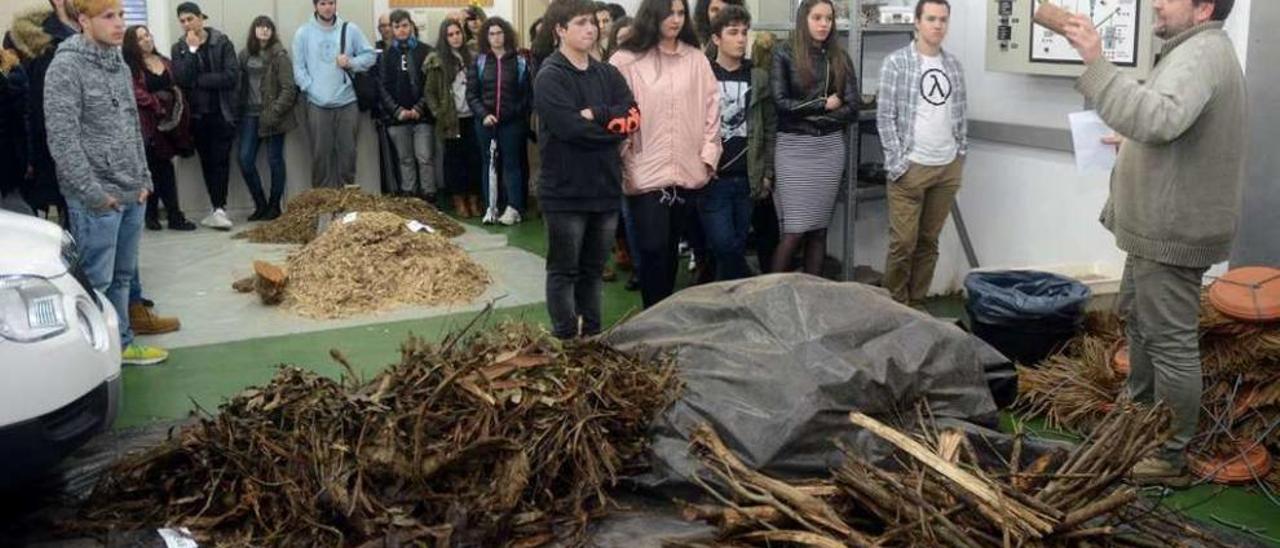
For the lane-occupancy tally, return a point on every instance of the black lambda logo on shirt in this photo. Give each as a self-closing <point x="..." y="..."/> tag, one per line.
<point x="935" y="87"/>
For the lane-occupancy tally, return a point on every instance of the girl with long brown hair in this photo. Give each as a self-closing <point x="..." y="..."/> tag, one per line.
<point x="166" y="124"/>
<point x="816" y="93"/>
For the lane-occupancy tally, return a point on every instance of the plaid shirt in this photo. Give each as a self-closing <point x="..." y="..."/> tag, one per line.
<point x="896" y="106"/>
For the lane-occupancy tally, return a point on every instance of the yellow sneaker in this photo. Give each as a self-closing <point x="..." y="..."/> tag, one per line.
<point x="137" y="354"/>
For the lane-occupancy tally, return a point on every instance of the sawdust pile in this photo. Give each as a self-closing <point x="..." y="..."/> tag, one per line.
<point x="298" y="223"/>
<point x="376" y="262"/>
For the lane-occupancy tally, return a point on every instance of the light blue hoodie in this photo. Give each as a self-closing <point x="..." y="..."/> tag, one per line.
<point x="315" y="49"/>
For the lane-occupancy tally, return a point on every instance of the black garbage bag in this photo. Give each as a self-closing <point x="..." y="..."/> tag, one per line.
<point x="1025" y="314"/>
<point x="776" y="363"/>
<point x="1021" y="297"/>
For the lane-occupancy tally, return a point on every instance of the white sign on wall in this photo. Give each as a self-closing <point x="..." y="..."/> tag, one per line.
<point x="1116" y="21"/>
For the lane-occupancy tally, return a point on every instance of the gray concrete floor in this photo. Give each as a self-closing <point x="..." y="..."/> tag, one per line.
<point x="189" y="275"/>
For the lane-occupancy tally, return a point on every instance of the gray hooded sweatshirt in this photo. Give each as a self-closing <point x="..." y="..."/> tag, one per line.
<point x="92" y="120"/>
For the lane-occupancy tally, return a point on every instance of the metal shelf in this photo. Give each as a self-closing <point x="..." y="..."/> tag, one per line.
<point x="888" y="29"/>
<point x="788" y="26"/>
<point x="842" y="27"/>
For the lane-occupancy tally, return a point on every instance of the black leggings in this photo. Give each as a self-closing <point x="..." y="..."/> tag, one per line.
<point x="658" y="218"/>
<point x="165" y="183"/>
<point x="462" y="161"/>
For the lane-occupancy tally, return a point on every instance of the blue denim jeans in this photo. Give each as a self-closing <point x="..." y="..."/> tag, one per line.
<point x="108" y="242"/>
<point x="510" y="137"/>
<point x="725" y="209"/>
<point x="249" y="142"/>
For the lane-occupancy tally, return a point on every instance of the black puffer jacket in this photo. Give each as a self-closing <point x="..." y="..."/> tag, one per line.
<point x="517" y="87"/>
<point x="802" y="108"/>
<point x="36" y="34"/>
<point x="13" y="124"/>
<point x="212" y="68"/>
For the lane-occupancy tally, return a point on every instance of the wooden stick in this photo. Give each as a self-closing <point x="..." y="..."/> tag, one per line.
<point x="1106" y="505"/>
<point x="1039" y="524"/>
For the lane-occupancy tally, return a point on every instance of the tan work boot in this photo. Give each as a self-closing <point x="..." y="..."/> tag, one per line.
<point x="146" y="322"/>
<point x="1157" y="471"/>
<point x="460" y="206"/>
<point x="476" y="209"/>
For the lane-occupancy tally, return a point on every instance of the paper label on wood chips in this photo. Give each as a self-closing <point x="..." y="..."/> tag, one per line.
<point x="416" y="226"/>
<point x="350" y="218"/>
<point x="178" y="538"/>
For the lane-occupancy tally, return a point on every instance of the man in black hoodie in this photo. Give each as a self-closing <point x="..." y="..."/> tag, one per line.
<point x="206" y="67"/>
<point x="408" y="119"/>
<point x="585" y="110"/>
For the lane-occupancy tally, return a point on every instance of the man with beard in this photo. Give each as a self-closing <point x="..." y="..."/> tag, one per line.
<point x="329" y="52"/>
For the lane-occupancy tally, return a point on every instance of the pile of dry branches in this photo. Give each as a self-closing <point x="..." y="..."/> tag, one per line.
<point x="942" y="493"/>
<point x="1240" y="408"/>
<point x="298" y="224"/>
<point x="507" y="437"/>
<point x="371" y="263"/>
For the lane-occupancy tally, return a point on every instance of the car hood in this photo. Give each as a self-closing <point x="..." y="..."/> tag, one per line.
<point x="30" y="246"/>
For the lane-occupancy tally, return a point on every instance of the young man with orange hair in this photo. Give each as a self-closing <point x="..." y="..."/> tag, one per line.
<point x="92" y="121"/>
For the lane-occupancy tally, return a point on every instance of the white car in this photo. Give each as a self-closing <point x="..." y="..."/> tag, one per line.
<point x="59" y="350"/>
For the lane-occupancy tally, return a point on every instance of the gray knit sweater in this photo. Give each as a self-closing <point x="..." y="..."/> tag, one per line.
<point x="92" y="120"/>
<point x="1175" y="190"/>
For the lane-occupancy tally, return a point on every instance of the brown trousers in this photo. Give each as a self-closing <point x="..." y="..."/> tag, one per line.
<point x="919" y="204"/>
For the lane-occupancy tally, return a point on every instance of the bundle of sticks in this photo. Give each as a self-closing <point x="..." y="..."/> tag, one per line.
<point x="505" y="437"/>
<point x="1075" y="389"/>
<point x="942" y="492"/>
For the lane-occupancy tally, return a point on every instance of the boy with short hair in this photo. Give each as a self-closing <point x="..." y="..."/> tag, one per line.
<point x="747" y="128"/>
<point x="585" y="111"/>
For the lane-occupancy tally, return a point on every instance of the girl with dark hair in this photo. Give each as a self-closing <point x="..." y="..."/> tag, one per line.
<point x="499" y="89"/>
<point x="678" y="146"/>
<point x="266" y="103"/>
<point x="166" y="124"/>
<point x="816" y="93"/>
<point x="621" y="30"/>
<point x="542" y="44"/>
<point x="473" y="18"/>
<point x="446" y="94"/>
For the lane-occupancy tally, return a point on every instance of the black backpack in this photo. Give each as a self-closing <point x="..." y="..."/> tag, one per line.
<point x="365" y="84"/>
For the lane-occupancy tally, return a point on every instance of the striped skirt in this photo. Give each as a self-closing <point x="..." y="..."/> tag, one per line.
<point x="809" y="170"/>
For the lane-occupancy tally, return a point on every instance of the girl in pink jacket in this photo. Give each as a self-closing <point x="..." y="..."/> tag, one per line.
<point x="678" y="146"/>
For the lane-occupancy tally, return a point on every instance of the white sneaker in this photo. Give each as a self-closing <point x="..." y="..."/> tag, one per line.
<point x="217" y="220"/>
<point x="490" y="216"/>
<point x="510" y="217"/>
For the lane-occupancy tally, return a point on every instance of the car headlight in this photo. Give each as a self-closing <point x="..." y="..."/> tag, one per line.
<point x="70" y="251"/>
<point x="30" y="309"/>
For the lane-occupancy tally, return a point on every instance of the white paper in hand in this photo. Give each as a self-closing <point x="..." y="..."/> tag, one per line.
<point x="1087" y="131"/>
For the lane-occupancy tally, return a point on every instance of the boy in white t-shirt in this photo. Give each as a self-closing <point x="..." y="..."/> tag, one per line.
<point x="922" y="125"/>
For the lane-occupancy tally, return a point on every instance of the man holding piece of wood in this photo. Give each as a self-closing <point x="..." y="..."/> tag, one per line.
<point x="1175" y="198"/>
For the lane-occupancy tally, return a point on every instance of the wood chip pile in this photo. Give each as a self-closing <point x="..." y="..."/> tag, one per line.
<point x="374" y="262"/>
<point x="299" y="222"/>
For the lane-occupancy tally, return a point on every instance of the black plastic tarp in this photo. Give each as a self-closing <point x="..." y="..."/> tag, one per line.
<point x="776" y="363"/>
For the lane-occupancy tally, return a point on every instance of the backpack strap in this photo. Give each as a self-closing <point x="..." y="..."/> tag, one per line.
<point x="342" y="40"/>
